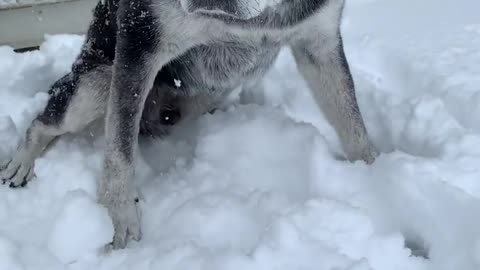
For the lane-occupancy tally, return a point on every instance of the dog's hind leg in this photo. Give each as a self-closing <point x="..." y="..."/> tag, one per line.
<point x="321" y="59"/>
<point x="75" y="100"/>
<point x="74" y="103"/>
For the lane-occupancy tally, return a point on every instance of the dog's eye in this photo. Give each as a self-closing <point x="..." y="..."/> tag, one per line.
<point x="169" y="117"/>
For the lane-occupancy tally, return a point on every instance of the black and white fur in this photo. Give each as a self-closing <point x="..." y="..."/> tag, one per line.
<point x="148" y="64"/>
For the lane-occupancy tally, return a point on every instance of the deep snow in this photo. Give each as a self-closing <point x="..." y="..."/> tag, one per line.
<point x="260" y="187"/>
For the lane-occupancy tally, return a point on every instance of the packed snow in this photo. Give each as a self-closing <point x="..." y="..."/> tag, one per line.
<point x="264" y="186"/>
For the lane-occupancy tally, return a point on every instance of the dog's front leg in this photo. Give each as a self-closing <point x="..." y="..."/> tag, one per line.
<point x="140" y="53"/>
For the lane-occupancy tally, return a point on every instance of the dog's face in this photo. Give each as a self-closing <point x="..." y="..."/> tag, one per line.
<point x="240" y="9"/>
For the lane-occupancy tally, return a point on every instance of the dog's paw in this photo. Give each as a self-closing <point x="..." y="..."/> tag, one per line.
<point x="125" y="217"/>
<point x="16" y="172"/>
<point x="368" y="153"/>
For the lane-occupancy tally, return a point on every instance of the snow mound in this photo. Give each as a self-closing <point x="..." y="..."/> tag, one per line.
<point x="80" y="228"/>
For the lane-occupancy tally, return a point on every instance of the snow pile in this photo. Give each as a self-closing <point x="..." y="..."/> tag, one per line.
<point x="262" y="187"/>
<point x="67" y="240"/>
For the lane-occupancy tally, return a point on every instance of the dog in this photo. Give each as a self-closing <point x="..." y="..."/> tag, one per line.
<point x="147" y="65"/>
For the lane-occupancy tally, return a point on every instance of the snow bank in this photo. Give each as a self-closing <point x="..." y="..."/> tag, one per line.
<point x="262" y="187"/>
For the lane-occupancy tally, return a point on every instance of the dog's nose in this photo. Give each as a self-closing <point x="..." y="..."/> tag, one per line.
<point x="222" y="6"/>
<point x="169" y="116"/>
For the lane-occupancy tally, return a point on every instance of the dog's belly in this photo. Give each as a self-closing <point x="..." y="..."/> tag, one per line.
<point x="226" y="66"/>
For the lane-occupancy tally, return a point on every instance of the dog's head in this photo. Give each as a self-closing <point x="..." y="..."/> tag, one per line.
<point x="240" y="9"/>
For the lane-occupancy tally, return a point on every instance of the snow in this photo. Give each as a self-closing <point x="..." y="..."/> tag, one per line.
<point x="178" y="83"/>
<point x="66" y="241"/>
<point x="263" y="187"/>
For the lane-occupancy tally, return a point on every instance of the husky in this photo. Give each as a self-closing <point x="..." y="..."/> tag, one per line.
<point x="147" y="65"/>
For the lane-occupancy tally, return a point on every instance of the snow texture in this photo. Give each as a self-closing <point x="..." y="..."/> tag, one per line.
<point x="261" y="187"/>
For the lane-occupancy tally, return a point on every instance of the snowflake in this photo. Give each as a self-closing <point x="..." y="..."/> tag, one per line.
<point x="178" y="83"/>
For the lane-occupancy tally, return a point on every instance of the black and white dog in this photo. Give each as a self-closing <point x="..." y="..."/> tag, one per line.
<point x="148" y="64"/>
